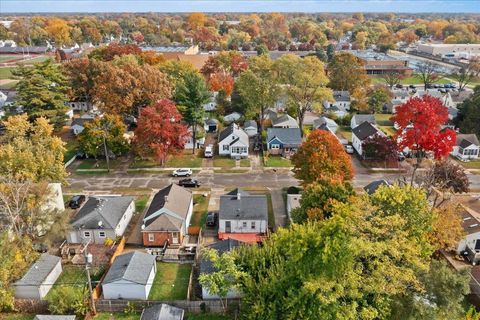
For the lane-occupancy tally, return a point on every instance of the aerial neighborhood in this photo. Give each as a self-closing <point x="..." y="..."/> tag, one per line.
<point x="219" y="166"/>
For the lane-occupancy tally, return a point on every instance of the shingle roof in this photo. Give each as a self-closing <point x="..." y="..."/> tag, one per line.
<point x="284" y="120"/>
<point x="460" y="96"/>
<point x="162" y="312"/>
<point x="80" y="122"/>
<point x="465" y="140"/>
<point x="173" y="198"/>
<point x="39" y="270"/>
<point x="134" y="266"/>
<point x="288" y="136"/>
<point x="374" y="185"/>
<point x="211" y="122"/>
<point x="226" y="132"/>
<point x="53" y="317"/>
<point x="324" y="121"/>
<point x="250" y="123"/>
<point x="107" y="209"/>
<point x="234" y="129"/>
<point x="341" y="96"/>
<point x="470" y="224"/>
<point x="360" y="118"/>
<point x="364" y="130"/>
<point x="248" y="207"/>
<point x="222" y="246"/>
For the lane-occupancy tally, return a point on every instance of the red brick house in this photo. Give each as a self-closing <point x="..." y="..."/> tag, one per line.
<point x="168" y="217"/>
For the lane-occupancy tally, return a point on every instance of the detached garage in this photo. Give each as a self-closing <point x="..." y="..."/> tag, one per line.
<point x="40" y="278"/>
<point x="130" y="276"/>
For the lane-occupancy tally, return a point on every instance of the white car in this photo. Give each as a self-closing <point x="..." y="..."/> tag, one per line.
<point x="349" y="149"/>
<point x="185" y="172"/>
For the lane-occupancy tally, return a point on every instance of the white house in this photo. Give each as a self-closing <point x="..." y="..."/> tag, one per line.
<point x="361" y="132"/>
<point x="232" y="117"/>
<point x="358" y="119"/>
<point x="101" y="217"/>
<point x="325" y="122"/>
<point x="78" y="124"/>
<point x="284" y="121"/>
<point x="233" y="142"/>
<point x="341" y="104"/>
<point x="212" y="104"/>
<point x="189" y="140"/>
<point x="469" y="246"/>
<point x="130" y="276"/>
<point x="466" y="147"/>
<point x="210" y="125"/>
<point x="242" y="216"/>
<point x="83" y="106"/>
<point x="206" y="266"/>
<point x="251" y="128"/>
<point x="39" y="279"/>
<point x="54" y="200"/>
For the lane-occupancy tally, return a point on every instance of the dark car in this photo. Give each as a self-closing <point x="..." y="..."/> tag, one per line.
<point x="399" y="86"/>
<point x="211" y="219"/>
<point x="189" y="183"/>
<point x="76" y="201"/>
<point x="412" y="86"/>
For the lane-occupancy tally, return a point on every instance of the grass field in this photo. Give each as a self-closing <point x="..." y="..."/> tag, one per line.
<point x="185" y="160"/>
<point x="200" y="210"/>
<point x="18" y="316"/>
<point x="223" y="162"/>
<point x="409" y="80"/>
<point x="171" y="282"/>
<point x="76" y="277"/>
<point x="245" y="163"/>
<point x="277" y="161"/>
<point x="6" y="72"/>
<point x="207" y="316"/>
<point x="97" y="164"/>
<point x="141" y="203"/>
<point x="474" y="164"/>
<point x="116" y="316"/>
<point x="7" y="58"/>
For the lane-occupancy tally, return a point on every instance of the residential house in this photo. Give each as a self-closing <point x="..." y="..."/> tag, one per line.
<point x="200" y="138"/>
<point x="206" y="266"/>
<point x="454" y="99"/>
<point x="81" y="105"/>
<point x="358" y="119"/>
<point x="39" y="279"/>
<point x="466" y="147"/>
<point x="242" y="216"/>
<point x="53" y="317"/>
<point x="325" y="122"/>
<point x="431" y="92"/>
<point x="54" y="201"/>
<point x="210" y="125"/>
<point x="270" y="114"/>
<point x="401" y="95"/>
<point x="212" y="104"/>
<point x="162" y="311"/>
<point x="233" y="142"/>
<point x="232" y="117"/>
<point x="101" y="217"/>
<point x="469" y="246"/>
<point x="78" y="124"/>
<point x="341" y="104"/>
<point x="373" y="186"/>
<point x="130" y="276"/>
<point x="283" y="141"/>
<point x="168" y="217"/>
<point x="361" y="132"/>
<point x="284" y="121"/>
<point x="251" y="128"/>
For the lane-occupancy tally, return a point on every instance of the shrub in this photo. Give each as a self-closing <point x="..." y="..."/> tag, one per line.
<point x="108" y="242"/>
<point x="66" y="300"/>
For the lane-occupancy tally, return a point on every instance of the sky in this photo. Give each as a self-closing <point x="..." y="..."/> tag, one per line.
<point x="55" y="6"/>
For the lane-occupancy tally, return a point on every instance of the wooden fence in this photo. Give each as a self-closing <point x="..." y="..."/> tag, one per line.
<point x="97" y="291"/>
<point x="104" y="305"/>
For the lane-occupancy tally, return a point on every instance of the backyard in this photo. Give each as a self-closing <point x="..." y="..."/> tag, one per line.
<point x="76" y="277"/>
<point x="171" y="282"/>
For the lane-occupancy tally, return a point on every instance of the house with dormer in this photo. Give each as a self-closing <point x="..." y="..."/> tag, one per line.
<point x="233" y="141"/>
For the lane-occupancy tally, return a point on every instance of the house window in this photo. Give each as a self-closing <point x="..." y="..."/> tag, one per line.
<point x="244" y="224"/>
<point x="151" y="237"/>
<point x="86" y="234"/>
<point x="101" y="234"/>
<point x="225" y="147"/>
<point x="275" y="146"/>
<point x="253" y="224"/>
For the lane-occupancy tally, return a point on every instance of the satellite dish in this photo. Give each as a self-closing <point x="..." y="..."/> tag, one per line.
<point x="100" y="223"/>
<point x="143" y="226"/>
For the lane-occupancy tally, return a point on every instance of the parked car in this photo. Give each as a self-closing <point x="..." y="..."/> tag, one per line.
<point x="400" y="156"/>
<point x="412" y="86"/>
<point x="349" y="149"/>
<point x="189" y="183"/>
<point x="399" y="86"/>
<point x="184" y="172"/>
<point x="209" y="151"/>
<point x="76" y="201"/>
<point x="212" y="218"/>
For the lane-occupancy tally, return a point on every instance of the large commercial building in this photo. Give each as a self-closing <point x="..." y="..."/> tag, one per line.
<point x="441" y="49"/>
<point x="377" y="63"/>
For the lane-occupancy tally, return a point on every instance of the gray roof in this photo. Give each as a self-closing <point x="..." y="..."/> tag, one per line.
<point x="285" y="120"/>
<point x="324" y="121"/>
<point x="53" y="317"/>
<point x="211" y="122"/>
<point x="465" y="140"/>
<point x="107" y="209"/>
<point x="374" y="185"/>
<point x="289" y="136"/>
<point x="39" y="271"/>
<point x="248" y="207"/>
<point x="364" y="130"/>
<point x="226" y="132"/>
<point x="360" y="118"/>
<point x="250" y="124"/>
<point x="80" y="122"/>
<point x="227" y="245"/>
<point x="433" y="93"/>
<point x="162" y="312"/>
<point x="401" y="94"/>
<point x="341" y="96"/>
<point x="460" y="96"/>
<point x="134" y="266"/>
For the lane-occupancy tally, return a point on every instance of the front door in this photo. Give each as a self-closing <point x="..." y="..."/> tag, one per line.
<point x="228" y="226"/>
<point x="175" y="237"/>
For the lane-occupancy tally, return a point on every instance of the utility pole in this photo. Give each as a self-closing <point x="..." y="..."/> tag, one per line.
<point x="88" y="263"/>
<point x="106" y="152"/>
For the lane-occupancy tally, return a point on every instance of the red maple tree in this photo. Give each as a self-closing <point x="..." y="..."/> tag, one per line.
<point x="420" y="128"/>
<point x="160" y="131"/>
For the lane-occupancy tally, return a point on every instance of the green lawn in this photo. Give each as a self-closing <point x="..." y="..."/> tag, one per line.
<point x="97" y="164"/>
<point x="144" y="163"/>
<point x="76" y="277"/>
<point x="6" y="72"/>
<point x="185" y="160"/>
<point x="9" y="85"/>
<point x="171" y="282"/>
<point x="12" y="57"/>
<point x="382" y="117"/>
<point x="245" y="163"/>
<point x="207" y="316"/>
<point x="388" y="130"/>
<point x="223" y="162"/>
<point x="116" y="316"/>
<point x="141" y="203"/>
<point x="346" y="132"/>
<point x="277" y="161"/>
<point x="35" y="60"/>
<point x="409" y="80"/>
<point x="200" y="210"/>
<point x="17" y="316"/>
<point x="72" y="147"/>
<point x="474" y="164"/>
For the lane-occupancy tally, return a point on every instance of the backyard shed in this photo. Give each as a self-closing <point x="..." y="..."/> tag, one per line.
<point x="162" y="312"/>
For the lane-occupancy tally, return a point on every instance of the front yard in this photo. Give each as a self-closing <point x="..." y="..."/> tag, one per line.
<point x="223" y="162"/>
<point x="171" y="282"/>
<point x="200" y="210"/>
<point x="184" y="160"/>
<point x="473" y="164"/>
<point x="88" y="164"/>
<point x="277" y="161"/>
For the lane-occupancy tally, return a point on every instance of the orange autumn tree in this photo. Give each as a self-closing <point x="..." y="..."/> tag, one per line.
<point x="322" y="158"/>
<point x="221" y="81"/>
<point x="159" y="131"/>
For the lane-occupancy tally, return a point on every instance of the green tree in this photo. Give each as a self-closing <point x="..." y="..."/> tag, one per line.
<point x="41" y="92"/>
<point x="29" y="151"/>
<point x="305" y="83"/>
<point x="109" y="129"/>
<point x="190" y="95"/>
<point x="224" y="278"/>
<point x="67" y="300"/>
<point x="378" y="97"/>
<point x="176" y="70"/>
<point x="318" y="200"/>
<point x="469" y="114"/>
<point x="347" y="72"/>
<point x="257" y="87"/>
<point x="262" y="50"/>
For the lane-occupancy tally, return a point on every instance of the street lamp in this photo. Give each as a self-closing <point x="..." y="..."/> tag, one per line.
<point x="88" y="264"/>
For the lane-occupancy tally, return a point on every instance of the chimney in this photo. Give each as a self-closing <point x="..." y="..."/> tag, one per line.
<point x="165" y="198"/>
<point x="239" y="196"/>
